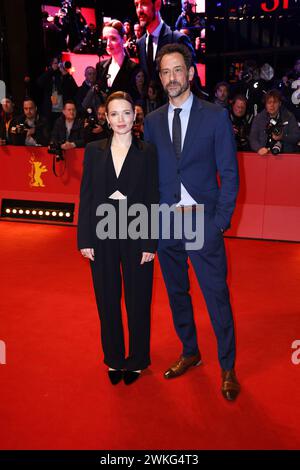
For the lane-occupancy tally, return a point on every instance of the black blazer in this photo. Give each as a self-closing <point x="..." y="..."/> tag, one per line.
<point x="124" y="80"/>
<point x="166" y="36"/>
<point x="143" y="184"/>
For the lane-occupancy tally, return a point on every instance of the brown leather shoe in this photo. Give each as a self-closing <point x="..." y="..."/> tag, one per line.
<point x="230" y="386"/>
<point x="182" y="365"/>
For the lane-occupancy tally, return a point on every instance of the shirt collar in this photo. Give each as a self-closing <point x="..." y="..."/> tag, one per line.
<point x="157" y="30"/>
<point x="186" y="106"/>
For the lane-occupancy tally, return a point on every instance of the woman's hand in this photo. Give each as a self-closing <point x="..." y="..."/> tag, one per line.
<point x="147" y="257"/>
<point x="88" y="253"/>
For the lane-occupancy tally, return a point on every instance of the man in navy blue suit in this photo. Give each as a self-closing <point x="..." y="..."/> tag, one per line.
<point x="158" y="34"/>
<point x="195" y="141"/>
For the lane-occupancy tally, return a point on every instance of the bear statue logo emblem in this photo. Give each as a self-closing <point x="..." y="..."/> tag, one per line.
<point x="37" y="169"/>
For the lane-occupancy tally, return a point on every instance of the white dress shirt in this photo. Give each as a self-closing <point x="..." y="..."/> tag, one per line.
<point x="155" y="36"/>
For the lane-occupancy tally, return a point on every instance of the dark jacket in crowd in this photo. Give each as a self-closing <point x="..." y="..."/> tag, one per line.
<point x="90" y="136"/>
<point x="166" y="36"/>
<point x="64" y="84"/>
<point x="124" y="80"/>
<point x="59" y="133"/>
<point x="291" y="131"/>
<point x="241" y="128"/>
<point x="80" y="96"/>
<point x="6" y="123"/>
<point x="41" y="135"/>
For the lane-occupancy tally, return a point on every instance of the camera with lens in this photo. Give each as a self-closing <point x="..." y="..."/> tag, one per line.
<point x="132" y="43"/>
<point x="274" y="127"/>
<point x="20" y="129"/>
<point x="55" y="149"/>
<point x="102" y="44"/>
<point x="91" y="120"/>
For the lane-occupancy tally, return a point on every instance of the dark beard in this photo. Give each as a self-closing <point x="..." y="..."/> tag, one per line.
<point x="181" y="90"/>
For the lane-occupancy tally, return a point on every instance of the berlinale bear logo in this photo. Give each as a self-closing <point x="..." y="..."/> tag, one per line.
<point x="37" y="169"/>
<point x="272" y="5"/>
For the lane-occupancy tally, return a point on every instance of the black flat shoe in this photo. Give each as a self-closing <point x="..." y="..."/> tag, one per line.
<point x="130" y="376"/>
<point x="115" y="376"/>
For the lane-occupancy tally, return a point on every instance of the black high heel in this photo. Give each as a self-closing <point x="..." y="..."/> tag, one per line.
<point x="115" y="376"/>
<point x="130" y="376"/>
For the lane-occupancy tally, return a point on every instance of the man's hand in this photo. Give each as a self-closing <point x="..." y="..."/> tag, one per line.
<point x="263" y="151"/>
<point x="88" y="253"/>
<point x="97" y="130"/>
<point x="68" y="146"/>
<point x="147" y="257"/>
<point x="2" y="142"/>
<point x="31" y="132"/>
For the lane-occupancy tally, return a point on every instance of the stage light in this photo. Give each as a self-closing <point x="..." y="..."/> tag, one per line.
<point x="41" y="211"/>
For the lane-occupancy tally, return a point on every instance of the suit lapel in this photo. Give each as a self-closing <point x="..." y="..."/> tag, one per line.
<point x="121" y="75"/>
<point x="100" y="168"/>
<point x="165" y="131"/>
<point x="134" y="162"/>
<point x="192" y="127"/>
<point x="162" y="39"/>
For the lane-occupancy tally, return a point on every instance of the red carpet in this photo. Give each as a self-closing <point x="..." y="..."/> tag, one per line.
<point x="54" y="389"/>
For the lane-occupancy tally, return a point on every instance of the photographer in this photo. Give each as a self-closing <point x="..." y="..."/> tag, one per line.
<point x="58" y="86"/>
<point x="138" y="126"/>
<point x="95" y="127"/>
<point x="240" y="122"/>
<point x="30" y="129"/>
<point x="89" y="82"/>
<point x="188" y="18"/>
<point x="251" y="86"/>
<point x="222" y="94"/>
<point x="290" y="88"/>
<point x="6" y="120"/>
<point x="275" y="129"/>
<point x="68" y="129"/>
<point x="93" y="98"/>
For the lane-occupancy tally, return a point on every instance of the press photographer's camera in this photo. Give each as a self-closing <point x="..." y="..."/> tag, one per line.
<point x="274" y="128"/>
<point x="55" y="149"/>
<point x="19" y="129"/>
<point x="91" y="120"/>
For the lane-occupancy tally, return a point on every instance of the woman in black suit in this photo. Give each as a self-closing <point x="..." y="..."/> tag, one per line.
<point x="118" y="72"/>
<point x="117" y="171"/>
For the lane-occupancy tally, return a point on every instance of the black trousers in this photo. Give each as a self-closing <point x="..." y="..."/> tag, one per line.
<point x="115" y="259"/>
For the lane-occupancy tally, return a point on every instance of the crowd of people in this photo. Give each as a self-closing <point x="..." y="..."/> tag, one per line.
<point x="264" y="109"/>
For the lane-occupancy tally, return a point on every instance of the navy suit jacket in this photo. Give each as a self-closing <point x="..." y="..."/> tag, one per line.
<point x="166" y="36"/>
<point x="209" y="149"/>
